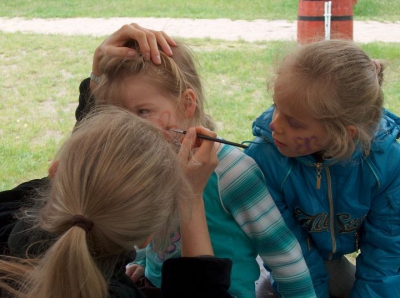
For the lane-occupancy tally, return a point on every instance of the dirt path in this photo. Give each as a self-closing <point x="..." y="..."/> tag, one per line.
<point x="194" y="28"/>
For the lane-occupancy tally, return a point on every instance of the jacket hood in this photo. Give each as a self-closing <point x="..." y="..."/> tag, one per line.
<point x="388" y="131"/>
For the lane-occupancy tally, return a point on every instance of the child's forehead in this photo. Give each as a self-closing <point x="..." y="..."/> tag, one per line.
<point x="137" y="79"/>
<point x="141" y="84"/>
<point x="293" y="100"/>
<point x="288" y="91"/>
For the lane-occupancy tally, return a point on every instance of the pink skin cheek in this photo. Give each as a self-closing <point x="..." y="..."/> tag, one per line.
<point x="162" y="121"/>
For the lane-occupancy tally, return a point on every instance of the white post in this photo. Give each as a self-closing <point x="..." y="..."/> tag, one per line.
<point x="327" y="15"/>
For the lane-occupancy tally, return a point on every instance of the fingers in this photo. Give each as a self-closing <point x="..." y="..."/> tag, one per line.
<point x="135" y="272"/>
<point x="205" y="147"/>
<point x="198" y="157"/>
<point x="147" y="39"/>
<point x="165" y="41"/>
<point x="187" y="145"/>
<point x="190" y="141"/>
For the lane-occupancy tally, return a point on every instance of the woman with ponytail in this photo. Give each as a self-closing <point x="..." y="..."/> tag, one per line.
<point x="116" y="184"/>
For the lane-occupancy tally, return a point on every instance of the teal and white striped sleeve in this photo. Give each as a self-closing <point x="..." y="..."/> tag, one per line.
<point x="246" y="197"/>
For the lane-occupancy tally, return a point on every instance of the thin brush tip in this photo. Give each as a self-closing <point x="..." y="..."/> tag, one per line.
<point x="177" y="130"/>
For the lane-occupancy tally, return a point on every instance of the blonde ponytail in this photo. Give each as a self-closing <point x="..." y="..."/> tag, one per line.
<point x="118" y="182"/>
<point x="68" y="270"/>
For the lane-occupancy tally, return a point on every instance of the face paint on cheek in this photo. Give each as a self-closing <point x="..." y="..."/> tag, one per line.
<point x="307" y="145"/>
<point x="166" y="119"/>
<point x="163" y="120"/>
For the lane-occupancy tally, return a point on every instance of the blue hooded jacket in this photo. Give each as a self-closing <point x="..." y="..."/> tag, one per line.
<point x="356" y="207"/>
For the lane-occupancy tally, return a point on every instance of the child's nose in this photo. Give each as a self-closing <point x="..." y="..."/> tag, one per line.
<point x="276" y="125"/>
<point x="279" y="130"/>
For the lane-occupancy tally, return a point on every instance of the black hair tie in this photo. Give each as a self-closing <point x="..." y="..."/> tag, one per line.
<point x="82" y="222"/>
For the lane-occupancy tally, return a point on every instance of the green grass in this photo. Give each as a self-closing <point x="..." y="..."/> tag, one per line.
<point x="381" y="10"/>
<point x="41" y="74"/>
<point x="39" y="89"/>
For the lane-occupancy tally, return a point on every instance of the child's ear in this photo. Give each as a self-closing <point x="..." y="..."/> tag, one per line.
<point x="351" y="130"/>
<point x="189" y="102"/>
<point x="53" y="169"/>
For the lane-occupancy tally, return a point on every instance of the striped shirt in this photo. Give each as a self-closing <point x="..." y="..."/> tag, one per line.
<point x="244" y="222"/>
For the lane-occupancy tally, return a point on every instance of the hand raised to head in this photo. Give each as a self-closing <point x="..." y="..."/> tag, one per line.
<point x="148" y="41"/>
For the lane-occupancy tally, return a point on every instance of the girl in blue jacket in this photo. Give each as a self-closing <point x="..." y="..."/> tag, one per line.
<point x="331" y="160"/>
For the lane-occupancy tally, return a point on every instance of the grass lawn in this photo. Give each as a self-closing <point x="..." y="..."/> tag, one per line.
<point x="380" y="10"/>
<point x="41" y="74"/>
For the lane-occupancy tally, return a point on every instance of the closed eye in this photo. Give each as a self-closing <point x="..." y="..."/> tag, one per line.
<point x="294" y="124"/>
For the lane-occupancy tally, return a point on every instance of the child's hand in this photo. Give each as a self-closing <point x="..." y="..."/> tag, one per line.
<point x="135" y="272"/>
<point x="199" y="163"/>
<point x="148" y="42"/>
<point x="198" y="159"/>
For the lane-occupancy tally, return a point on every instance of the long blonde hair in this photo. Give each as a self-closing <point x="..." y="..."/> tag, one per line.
<point x="119" y="172"/>
<point x="335" y="82"/>
<point x="172" y="77"/>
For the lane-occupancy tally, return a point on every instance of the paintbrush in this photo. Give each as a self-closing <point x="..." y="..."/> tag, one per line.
<point x="200" y="136"/>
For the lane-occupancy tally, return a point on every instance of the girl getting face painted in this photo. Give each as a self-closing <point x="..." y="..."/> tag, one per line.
<point x="170" y="95"/>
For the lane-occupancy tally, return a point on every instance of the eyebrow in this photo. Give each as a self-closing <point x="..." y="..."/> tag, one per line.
<point x="300" y="122"/>
<point x="297" y="120"/>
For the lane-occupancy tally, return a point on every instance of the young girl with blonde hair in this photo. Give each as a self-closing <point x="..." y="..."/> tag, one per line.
<point x="117" y="183"/>
<point x="329" y="153"/>
<point x="242" y="218"/>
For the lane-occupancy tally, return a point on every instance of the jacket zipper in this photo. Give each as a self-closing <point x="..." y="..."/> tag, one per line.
<point x="357" y="240"/>
<point x="318" y="166"/>
<point x="332" y="212"/>
<point x="308" y="242"/>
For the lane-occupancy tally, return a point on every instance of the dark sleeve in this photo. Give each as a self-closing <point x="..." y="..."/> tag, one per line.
<point x="84" y="100"/>
<point x="11" y="202"/>
<point x="196" y="277"/>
